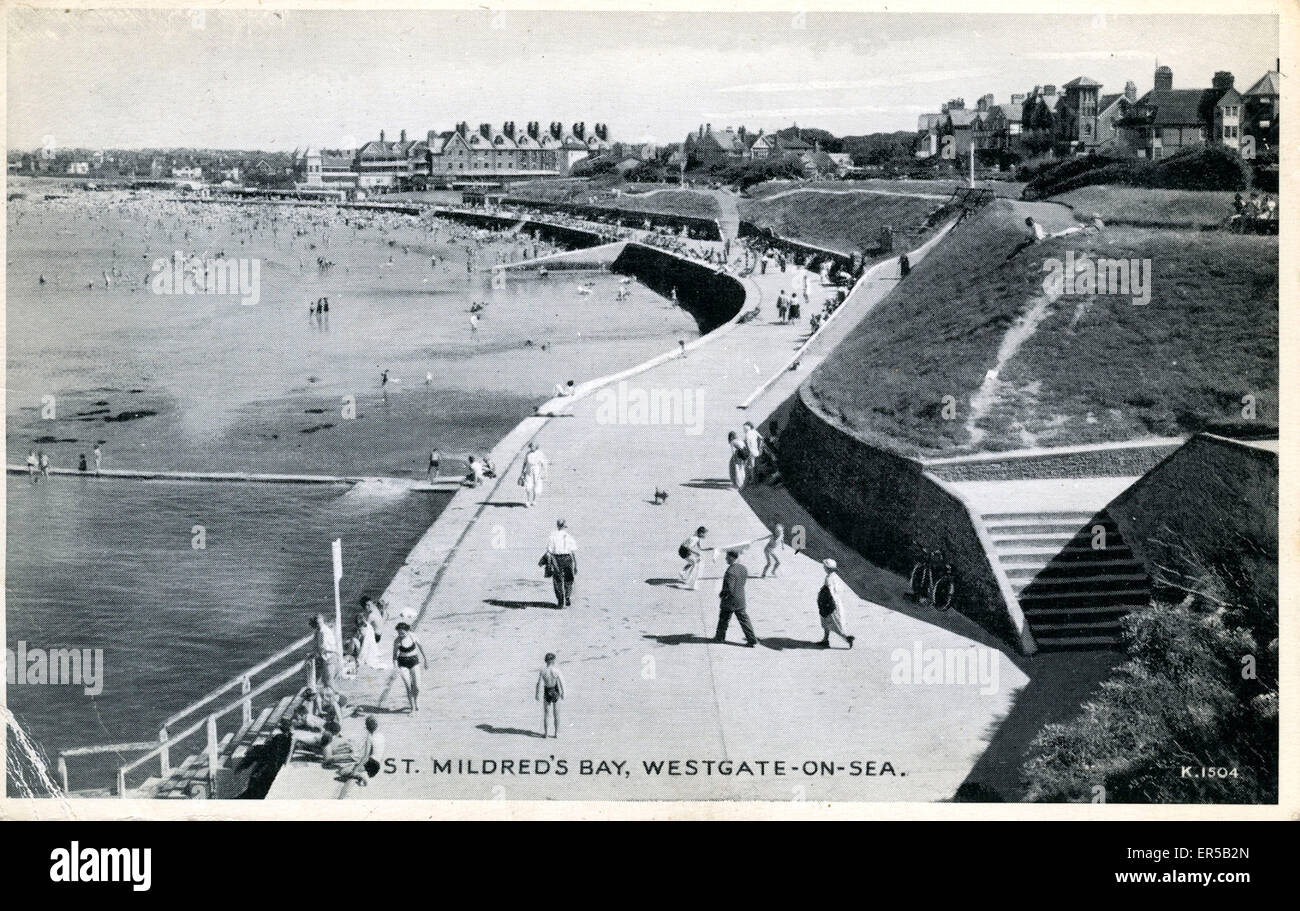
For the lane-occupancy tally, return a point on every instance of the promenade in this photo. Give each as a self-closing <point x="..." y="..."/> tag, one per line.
<point x="645" y="683"/>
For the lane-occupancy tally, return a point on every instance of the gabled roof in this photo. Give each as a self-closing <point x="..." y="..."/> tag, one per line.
<point x="961" y="117"/>
<point x="1013" y="113"/>
<point x="1104" y="103"/>
<point x="1082" y="82"/>
<point x="1175" y="107"/>
<point x="1269" y="84"/>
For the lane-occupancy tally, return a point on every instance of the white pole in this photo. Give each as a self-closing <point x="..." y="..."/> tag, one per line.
<point x="972" y="162"/>
<point x="338" y="609"/>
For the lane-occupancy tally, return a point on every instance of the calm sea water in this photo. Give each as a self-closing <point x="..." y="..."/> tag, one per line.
<point x="206" y="383"/>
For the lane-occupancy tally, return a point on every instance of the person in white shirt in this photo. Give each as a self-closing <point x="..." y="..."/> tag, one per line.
<point x="692" y="551"/>
<point x="830" y="603"/>
<point x="753" y="443"/>
<point x="325" y="647"/>
<point x="561" y="560"/>
<point x="533" y="475"/>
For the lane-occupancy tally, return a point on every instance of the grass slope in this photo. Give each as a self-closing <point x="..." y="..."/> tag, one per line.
<point x="1096" y="369"/>
<point x="1151" y="208"/>
<point x="846" y="223"/>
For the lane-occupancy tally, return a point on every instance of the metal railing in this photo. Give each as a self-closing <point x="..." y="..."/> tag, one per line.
<point x="167" y="741"/>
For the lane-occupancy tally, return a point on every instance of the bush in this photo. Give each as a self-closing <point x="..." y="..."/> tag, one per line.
<point x="1205" y="167"/>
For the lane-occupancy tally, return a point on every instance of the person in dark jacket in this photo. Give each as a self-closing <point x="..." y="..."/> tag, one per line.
<point x="731" y="600"/>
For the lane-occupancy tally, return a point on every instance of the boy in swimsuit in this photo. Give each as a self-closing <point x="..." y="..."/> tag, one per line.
<point x="549" y="691"/>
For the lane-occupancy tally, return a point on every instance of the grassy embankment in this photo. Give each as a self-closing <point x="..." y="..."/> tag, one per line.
<point x="1151" y="208"/>
<point x="843" y="222"/>
<point x="670" y="200"/>
<point x="1096" y="369"/>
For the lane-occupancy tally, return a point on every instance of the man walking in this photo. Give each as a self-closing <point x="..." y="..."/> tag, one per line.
<point x="830" y="600"/>
<point x="562" y="557"/>
<point x="731" y="600"/>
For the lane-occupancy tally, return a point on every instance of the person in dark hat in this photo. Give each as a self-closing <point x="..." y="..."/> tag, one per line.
<point x="731" y="600"/>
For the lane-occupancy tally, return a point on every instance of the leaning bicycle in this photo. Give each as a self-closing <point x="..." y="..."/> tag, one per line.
<point x="931" y="581"/>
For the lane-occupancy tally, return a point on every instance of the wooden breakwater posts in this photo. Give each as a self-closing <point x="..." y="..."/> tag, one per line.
<point x="449" y="484"/>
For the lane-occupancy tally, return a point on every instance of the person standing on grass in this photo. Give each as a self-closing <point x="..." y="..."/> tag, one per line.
<point x="830" y="601"/>
<point x="731" y="600"/>
<point x="692" y="551"/>
<point x="533" y="475"/>
<point x="99" y="456"/>
<point x="549" y="691"/>
<point x="562" y="557"/>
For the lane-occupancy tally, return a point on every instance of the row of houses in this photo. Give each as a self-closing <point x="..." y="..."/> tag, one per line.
<point x="190" y="166"/>
<point x="709" y="147"/>
<point x="1080" y="118"/>
<point x="459" y="155"/>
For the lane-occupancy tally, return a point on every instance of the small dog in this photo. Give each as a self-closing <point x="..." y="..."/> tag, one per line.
<point x="660" y="496"/>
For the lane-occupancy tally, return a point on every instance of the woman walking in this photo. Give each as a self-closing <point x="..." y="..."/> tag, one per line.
<point x="830" y="600"/>
<point x="739" y="459"/>
<point x="409" y="656"/>
<point x="533" y="475"/>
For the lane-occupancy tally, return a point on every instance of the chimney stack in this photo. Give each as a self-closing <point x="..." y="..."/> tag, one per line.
<point x="508" y="128"/>
<point x="1018" y="99"/>
<point x="1130" y="91"/>
<point x="534" y="127"/>
<point x="403" y="135"/>
<point x="381" y="135"/>
<point x="1164" y="79"/>
<point x="430" y="138"/>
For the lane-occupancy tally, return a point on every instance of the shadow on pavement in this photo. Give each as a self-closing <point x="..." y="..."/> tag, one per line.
<point x="521" y="605"/>
<point x="493" y="729"/>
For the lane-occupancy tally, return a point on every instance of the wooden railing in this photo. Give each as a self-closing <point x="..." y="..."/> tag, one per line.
<point x="167" y="741"/>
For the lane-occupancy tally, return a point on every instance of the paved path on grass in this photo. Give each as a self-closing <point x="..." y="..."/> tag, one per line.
<point x="645" y="683"/>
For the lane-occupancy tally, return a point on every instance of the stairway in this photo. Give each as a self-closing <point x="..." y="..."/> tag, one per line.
<point x="1073" y="595"/>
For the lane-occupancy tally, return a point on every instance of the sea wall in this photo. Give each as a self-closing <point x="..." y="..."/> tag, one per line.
<point x="883" y="505"/>
<point x="698" y="227"/>
<point x="1213" y="504"/>
<point x="1119" y="460"/>
<point x="712" y="298"/>
<point x="576" y="238"/>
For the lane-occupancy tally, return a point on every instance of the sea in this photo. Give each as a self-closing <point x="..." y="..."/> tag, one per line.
<point x="183" y="585"/>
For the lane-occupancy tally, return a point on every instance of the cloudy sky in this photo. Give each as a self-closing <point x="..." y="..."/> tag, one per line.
<point x="278" y="80"/>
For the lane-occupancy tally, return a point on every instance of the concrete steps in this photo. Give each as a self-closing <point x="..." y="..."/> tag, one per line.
<point x="1073" y="594"/>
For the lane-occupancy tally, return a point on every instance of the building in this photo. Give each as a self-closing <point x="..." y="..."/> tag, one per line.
<point x="1076" y="113"/>
<point x="1261" y="103"/>
<point x="710" y="147"/>
<point x="384" y="165"/>
<point x="1167" y="120"/>
<point x="1110" y="110"/>
<point x="774" y="145"/>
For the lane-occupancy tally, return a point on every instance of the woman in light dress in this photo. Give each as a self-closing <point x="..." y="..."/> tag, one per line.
<point x="739" y="459"/>
<point x="534" y="474"/>
<point x="369" y="655"/>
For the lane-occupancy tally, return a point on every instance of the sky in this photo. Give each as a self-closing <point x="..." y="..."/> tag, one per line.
<point x="280" y="80"/>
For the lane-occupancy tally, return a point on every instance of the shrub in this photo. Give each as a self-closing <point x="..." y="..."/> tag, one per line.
<point x="1205" y="167"/>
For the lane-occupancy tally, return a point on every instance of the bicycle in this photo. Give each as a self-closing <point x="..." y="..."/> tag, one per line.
<point x="931" y="581"/>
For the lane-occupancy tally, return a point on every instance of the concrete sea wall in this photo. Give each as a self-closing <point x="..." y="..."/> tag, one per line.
<point x="1213" y="504"/>
<point x="711" y="297"/>
<point x="883" y="504"/>
<point x="577" y="238"/>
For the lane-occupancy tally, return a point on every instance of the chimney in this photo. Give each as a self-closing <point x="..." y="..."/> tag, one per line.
<point x="1018" y="99"/>
<point x="1164" y="79"/>
<point x="403" y="135"/>
<point x="708" y="128"/>
<point x="534" y="127"/>
<point x="462" y="128"/>
<point x="381" y="135"/>
<point x="485" y="130"/>
<point x="557" y="129"/>
<point x="430" y="138"/>
<point x="1130" y="91"/>
<point x="580" y="130"/>
<point x="508" y="128"/>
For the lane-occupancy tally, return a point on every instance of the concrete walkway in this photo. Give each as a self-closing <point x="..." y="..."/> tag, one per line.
<point x="645" y="683"/>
